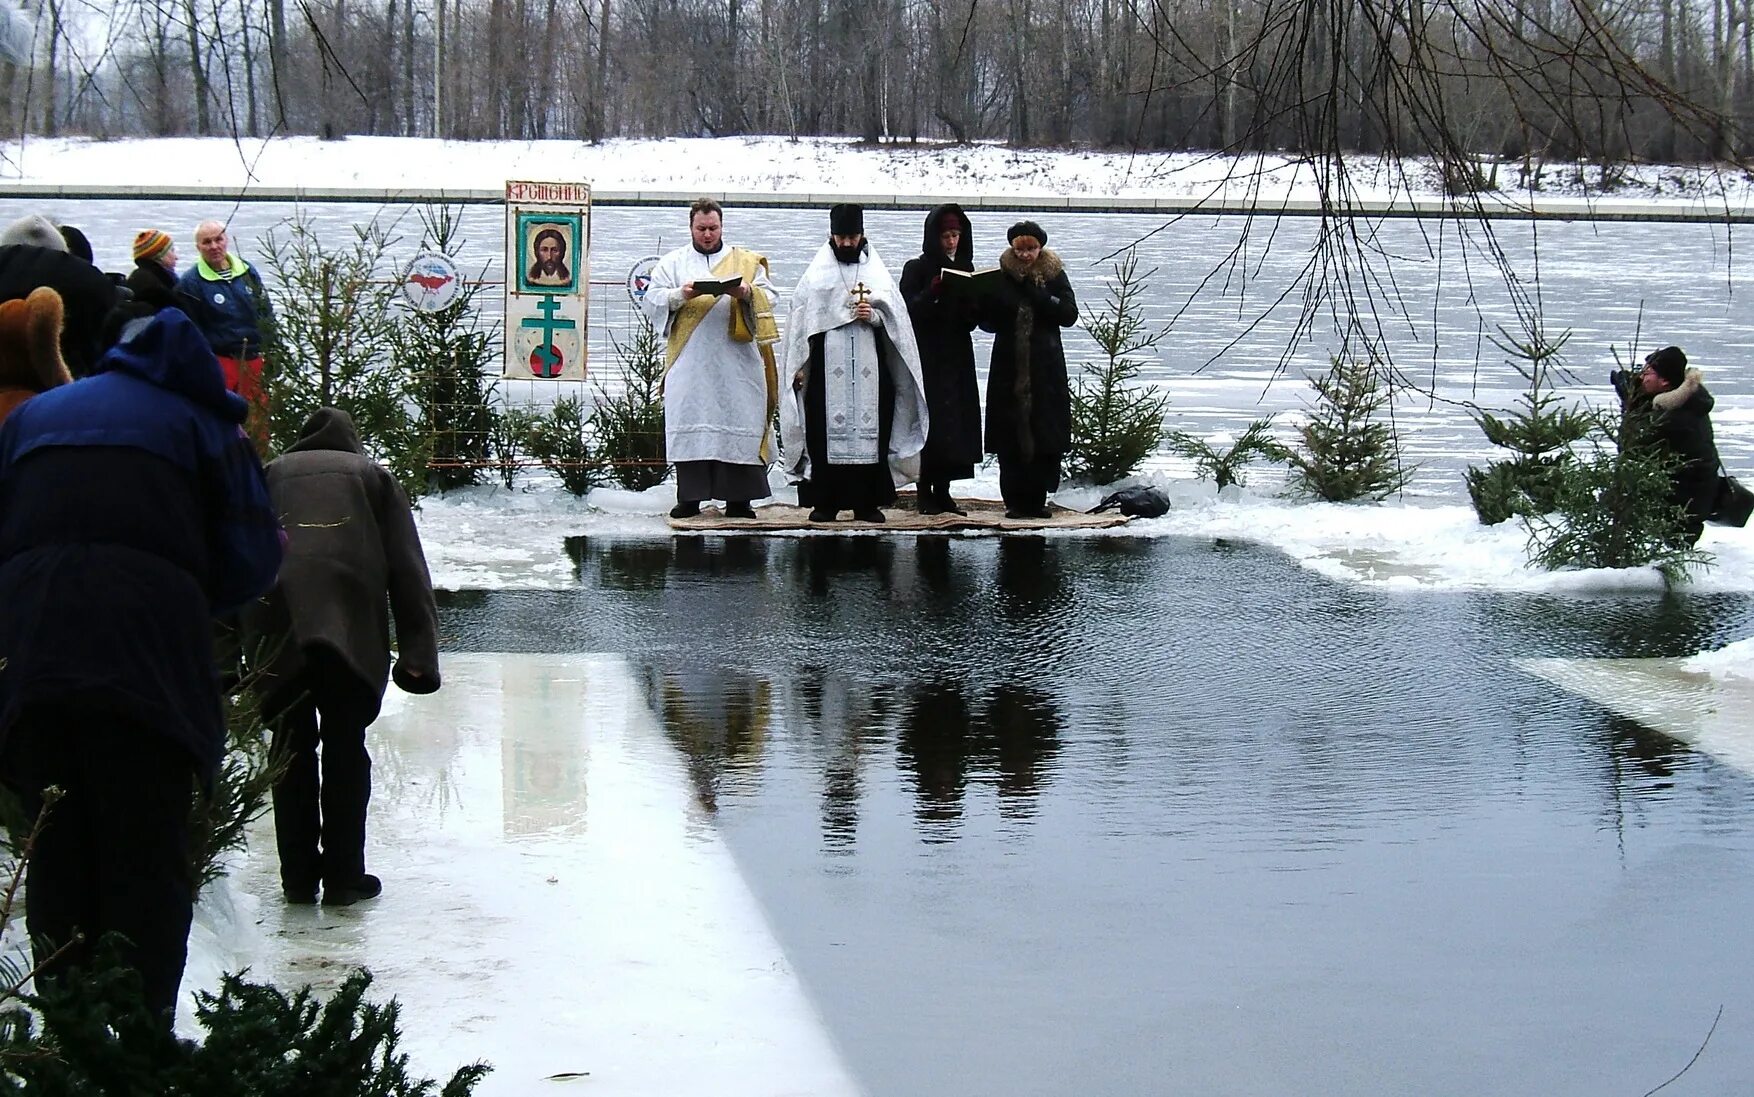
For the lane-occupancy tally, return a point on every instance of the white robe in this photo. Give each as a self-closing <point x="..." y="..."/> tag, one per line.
<point x="715" y="394"/>
<point x="822" y="304"/>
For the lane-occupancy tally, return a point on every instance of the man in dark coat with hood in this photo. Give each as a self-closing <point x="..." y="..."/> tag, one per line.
<point x="941" y="328"/>
<point x="132" y="511"/>
<point x="322" y="641"/>
<point x="1029" y="406"/>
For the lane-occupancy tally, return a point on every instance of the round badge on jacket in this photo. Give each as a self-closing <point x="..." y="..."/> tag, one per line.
<point x="219" y="298"/>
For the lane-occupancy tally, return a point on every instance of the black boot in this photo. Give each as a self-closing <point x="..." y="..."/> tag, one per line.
<point x="869" y="514"/>
<point x="946" y="504"/>
<point x="931" y="501"/>
<point x="739" y="510"/>
<point x="346" y="894"/>
<point x="823" y="514"/>
<point x="689" y="509"/>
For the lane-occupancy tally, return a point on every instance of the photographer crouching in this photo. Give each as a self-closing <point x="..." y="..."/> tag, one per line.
<point x="1680" y="419"/>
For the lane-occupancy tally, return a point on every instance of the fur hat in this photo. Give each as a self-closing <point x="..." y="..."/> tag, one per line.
<point x="846" y="219"/>
<point x="1026" y="228"/>
<point x="1670" y="364"/>
<point x="151" y="244"/>
<point x="34" y="229"/>
<point x="30" y="342"/>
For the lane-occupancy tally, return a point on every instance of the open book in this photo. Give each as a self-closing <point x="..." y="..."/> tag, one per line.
<point x="704" y="285"/>
<point x="969" y="285"/>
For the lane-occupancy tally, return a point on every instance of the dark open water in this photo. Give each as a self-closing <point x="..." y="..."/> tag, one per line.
<point x="1145" y="817"/>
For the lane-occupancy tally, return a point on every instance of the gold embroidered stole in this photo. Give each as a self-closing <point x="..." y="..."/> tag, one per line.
<point x="759" y="309"/>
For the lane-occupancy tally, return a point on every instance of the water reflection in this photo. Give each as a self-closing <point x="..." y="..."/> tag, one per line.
<point x="718" y="719"/>
<point x="544" y="751"/>
<point x="825" y="562"/>
<point x="933" y="745"/>
<point x="1653" y="755"/>
<point x="620" y="564"/>
<point x="1657" y="625"/>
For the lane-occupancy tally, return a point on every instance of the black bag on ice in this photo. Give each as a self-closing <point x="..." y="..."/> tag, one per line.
<point x="1735" y="502"/>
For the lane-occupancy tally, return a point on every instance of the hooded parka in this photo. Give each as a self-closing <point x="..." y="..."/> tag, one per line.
<point x="353" y="556"/>
<point x="941" y="328"/>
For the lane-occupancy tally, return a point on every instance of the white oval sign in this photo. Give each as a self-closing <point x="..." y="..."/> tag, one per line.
<point x="639" y="276"/>
<point x="431" y="281"/>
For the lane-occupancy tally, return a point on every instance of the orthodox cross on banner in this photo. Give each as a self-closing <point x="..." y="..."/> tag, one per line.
<point x="549" y="324"/>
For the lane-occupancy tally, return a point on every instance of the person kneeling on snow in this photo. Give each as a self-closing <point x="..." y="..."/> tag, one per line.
<point x="1681" y="410"/>
<point x="320" y="641"/>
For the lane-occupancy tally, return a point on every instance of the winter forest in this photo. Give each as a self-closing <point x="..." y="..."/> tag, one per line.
<point x="1466" y="82"/>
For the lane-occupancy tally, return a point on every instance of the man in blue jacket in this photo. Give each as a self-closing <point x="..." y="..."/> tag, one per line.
<point x="132" y="510"/>
<point x="225" y="297"/>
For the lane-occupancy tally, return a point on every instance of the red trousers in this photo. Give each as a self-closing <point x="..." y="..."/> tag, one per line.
<point x="244" y="377"/>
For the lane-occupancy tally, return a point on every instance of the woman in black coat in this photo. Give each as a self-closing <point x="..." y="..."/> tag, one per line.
<point x="942" y="327"/>
<point x="1029" y="407"/>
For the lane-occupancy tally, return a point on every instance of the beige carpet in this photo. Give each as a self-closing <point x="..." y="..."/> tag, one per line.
<point x="982" y="515"/>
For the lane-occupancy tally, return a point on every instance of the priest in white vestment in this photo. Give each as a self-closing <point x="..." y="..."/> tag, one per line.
<point x="855" y="421"/>
<point x="720" y="382"/>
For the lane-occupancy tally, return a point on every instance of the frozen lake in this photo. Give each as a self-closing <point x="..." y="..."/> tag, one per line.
<point x="1234" y="290"/>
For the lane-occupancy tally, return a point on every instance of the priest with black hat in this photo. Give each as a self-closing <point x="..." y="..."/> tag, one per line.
<point x="856" y="420"/>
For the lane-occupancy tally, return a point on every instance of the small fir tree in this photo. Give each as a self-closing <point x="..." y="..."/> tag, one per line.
<point x="1116" y="423"/>
<point x="1346" y="453"/>
<point x="630" y="423"/>
<point x="98" y="1037"/>
<point x="93" y="1034"/>
<point x="506" y="439"/>
<point x="335" y="343"/>
<point x="1225" y="466"/>
<point x="560" y="439"/>
<point x="1540" y="432"/>
<point x="446" y="356"/>
<point x="1612" y="506"/>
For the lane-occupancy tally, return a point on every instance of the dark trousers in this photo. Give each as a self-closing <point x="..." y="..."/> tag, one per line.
<point x="113" y="856"/>
<point x="320" y="800"/>
<point x="1025" y="484"/>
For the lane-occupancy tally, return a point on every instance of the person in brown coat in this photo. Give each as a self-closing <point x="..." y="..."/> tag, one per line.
<point x="321" y="642"/>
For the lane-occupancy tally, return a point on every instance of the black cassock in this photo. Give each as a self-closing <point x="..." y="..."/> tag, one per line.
<point x="942" y="330"/>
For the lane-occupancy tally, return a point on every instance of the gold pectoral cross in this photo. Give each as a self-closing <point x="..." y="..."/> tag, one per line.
<point x="859" y="292"/>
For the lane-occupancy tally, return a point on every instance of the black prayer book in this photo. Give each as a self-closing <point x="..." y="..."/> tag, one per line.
<point x="969" y="285"/>
<point x="721" y="287"/>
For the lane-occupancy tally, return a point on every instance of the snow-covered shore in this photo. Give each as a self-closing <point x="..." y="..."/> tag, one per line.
<point x="816" y="166"/>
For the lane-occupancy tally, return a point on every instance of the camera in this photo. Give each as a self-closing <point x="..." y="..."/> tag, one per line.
<point x="1624" y="380"/>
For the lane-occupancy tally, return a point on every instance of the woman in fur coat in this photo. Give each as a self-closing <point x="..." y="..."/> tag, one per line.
<point x="1029" y="406"/>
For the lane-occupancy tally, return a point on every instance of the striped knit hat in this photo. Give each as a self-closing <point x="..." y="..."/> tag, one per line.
<point x="151" y="243"/>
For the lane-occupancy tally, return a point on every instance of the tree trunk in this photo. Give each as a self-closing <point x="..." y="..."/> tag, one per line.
<point x="277" y="73"/>
<point x="439" y="74"/>
<point x="408" y="109"/>
<point x="197" y="70"/>
<point x="251" y="127"/>
<point x="51" y="122"/>
<point x="541" y="106"/>
<point x="600" y="90"/>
